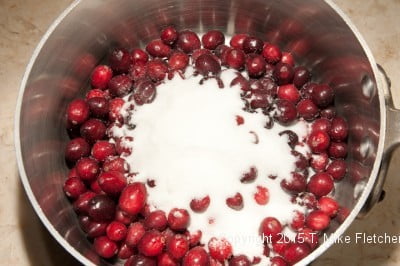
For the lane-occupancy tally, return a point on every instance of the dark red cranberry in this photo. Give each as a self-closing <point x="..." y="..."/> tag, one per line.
<point x="93" y="130"/>
<point x="297" y="221"/>
<point x="105" y="247"/>
<point x="288" y="92"/>
<point x="318" y="220"/>
<point x="237" y="41"/>
<point x="158" y="48"/>
<point x="135" y="233"/>
<point x="269" y="86"/>
<point x="95" y="229"/>
<point x="169" y="35"/>
<point x="337" y="150"/>
<point x="255" y="65"/>
<point x="156" y="69"/>
<point x="139" y="260"/>
<point x="307" y="89"/>
<point x="200" y="204"/>
<point x="120" y="60"/>
<point x="178" y="61"/>
<point x="115" y="108"/>
<point x="270" y="228"/>
<point x="287" y="58"/>
<point x="156" y="220"/>
<point x="87" y="168"/>
<point x="188" y="41"/>
<point x="125" y="252"/>
<point x="120" y="85"/>
<point x="328" y="112"/>
<point x="81" y="204"/>
<point x="206" y="64"/>
<point x="100" y="76"/>
<point x="235" y="202"/>
<point x="133" y="198"/>
<point x="296" y="252"/>
<point x="98" y="106"/>
<point x="165" y="259"/>
<point x="145" y="92"/>
<point x="178" y="219"/>
<point x="112" y="182"/>
<point x="259" y="99"/>
<point x="242" y="82"/>
<point x="76" y="149"/>
<point x="212" y="39"/>
<point x="138" y="55"/>
<point x="240" y="260"/>
<point x="123" y="217"/>
<point x="286" y="111"/>
<point x="199" y="52"/>
<point x="318" y="141"/>
<point x="343" y="213"/>
<point x="115" y="164"/>
<point x="283" y="73"/>
<point x="235" y="58"/>
<point x="220" y="249"/>
<point x="307" y="109"/>
<point x="138" y="71"/>
<point x="322" y="95"/>
<point x="319" y="162"/>
<point x="278" y="261"/>
<point x="339" y="129"/>
<point x="101" y="208"/>
<point x="197" y="256"/>
<point x="337" y="169"/>
<point x="151" y="244"/>
<point x="103" y="149"/>
<point x="177" y="246"/>
<point x="320" y="184"/>
<point x="328" y="206"/>
<point x="261" y="196"/>
<point x="272" y="53"/>
<point x="301" y="76"/>
<point x="297" y="183"/>
<point x="74" y="187"/>
<point x="252" y="45"/>
<point x="93" y="93"/>
<point x="77" y="111"/>
<point x="321" y="124"/>
<point x="250" y="175"/>
<point x="116" y="231"/>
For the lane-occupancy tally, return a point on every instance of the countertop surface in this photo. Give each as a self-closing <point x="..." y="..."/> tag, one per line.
<point x="24" y="240"/>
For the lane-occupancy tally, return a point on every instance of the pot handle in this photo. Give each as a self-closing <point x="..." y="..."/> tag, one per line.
<point x="392" y="142"/>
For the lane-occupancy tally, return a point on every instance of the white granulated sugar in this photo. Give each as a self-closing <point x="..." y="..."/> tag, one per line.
<point x="188" y="141"/>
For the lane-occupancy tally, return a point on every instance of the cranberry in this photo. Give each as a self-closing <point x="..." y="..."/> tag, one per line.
<point x="278" y="261"/>
<point x="125" y="252"/>
<point x="101" y="208"/>
<point x="220" y="249"/>
<point x="74" y="187"/>
<point x="308" y="236"/>
<point x="287" y="58"/>
<point x="134" y="234"/>
<point x="212" y="39"/>
<point x="114" y="164"/>
<point x="139" y="260"/>
<point x="166" y="259"/>
<point x="255" y="65"/>
<point x="280" y="245"/>
<point x="239" y="120"/>
<point x="250" y="175"/>
<point x="301" y="161"/>
<point x="156" y="220"/>
<point x="301" y="76"/>
<point x="105" y="247"/>
<point x="93" y="93"/>
<point x="138" y="55"/>
<point x="320" y="184"/>
<point x="307" y="89"/>
<point x="120" y="60"/>
<point x="337" y="169"/>
<point x="188" y="41"/>
<point x="322" y="95"/>
<point x="116" y="231"/>
<point x="318" y="220"/>
<point x="337" y="150"/>
<point x="169" y="35"/>
<point x="241" y="82"/>
<point x="286" y="111"/>
<point x="76" y="149"/>
<point x="177" y="246"/>
<point x="306" y="199"/>
<point x="81" y="204"/>
<point x="115" y="108"/>
<point x="272" y="53"/>
<point x="112" y="182"/>
<point x="240" y="260"/>
<point x="235" y="58"/>
<point x="200" y="205"/>
<point x="87" y="168"/>
<point x="307" y="109"/>
<point x="206" y="64"/>
<point x="145" y="92"/>
<point x="271" y="228"/>
<point x="120" y="85"/>
<point x="296" y="184"/>
<point x="98" y="106"/>
<point x="319" y="162"/>
<point x="288" y="92"/>
<point x="328" y="206"/>
<point x="262" y="195"/>
<point x="158" y="48"/>
<point x="178" y="219"/>
<point x="123" y="217"/>
<point x="100" y="76"/>
<point x="151" y="244"/>
<point x="77" y="111"/>
<point x="95" y="187"/>
<point x="321" y="124"/>
<point x="235" y="202"/>
<point x="156" y="69"/>
<point x="93" y="130"/>
<point x="103" y="149"/>
<point x="296" y="251"/>
<point x="237" y="41"/>
<point x="328" y="112"/>
<point x="197" y="256"/>
<point x="339" y="129"/>
<point x="178" y="61"/>
<point x="197" y="53"/>
<point x="318" y="141"/>
<point x="260" y="99"/>
<point x="298" y="221"/>
<point x="133" y="198"/>
<point x="342" y="214"/>
<point x="283" y="73"/>
<point x="138" y="71"/>
<point x="252" y="45"/>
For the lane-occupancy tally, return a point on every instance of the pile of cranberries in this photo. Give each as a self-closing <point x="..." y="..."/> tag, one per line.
<point x="113" y="212"/>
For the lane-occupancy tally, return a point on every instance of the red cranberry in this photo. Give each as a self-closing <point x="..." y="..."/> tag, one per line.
<point x="307" y="109"/>
<point x="296" y="252"/>
<point x="112" y="182"/>
<point x="301" y="76"/>
<point x="339" y="129"/>
<point x="105" y="247"/>
<point x="220" y="249"/>
<point x="322" y="95"/>
<point x="87" y="168"/>
<point x="194" y="237"/>
<point x="280" y="245"/>
<point x="114" y="164"/>
<point x="93" y="229"/>
<point x="103" y="149"/>
<point x="318" y="141"/>
<point x="139" y="260"/>
<point x="319" y="162"/>
<point x="288" y="92"/>
<point x="95" y="187"/>
<point x="212" y="39"/>
<point x="101" y="208"/>
<point x="115" y="108"/>
<point x="151" y="244"/>
<point x="239" y="120"/>
<point x="81" y="204"/>
<point x="98" y="106"/>
<point x="93" y="130"/>
<point x="271" y="228"/>
<point x="206" y="64"/>
<point x="235" y="58"/>
<point x="169" y="35"/>
<point x="255" y="65"/>
<point x="74" y="187"/>
<point x="308" y="236"/>
<point x="200" y="205"/>
<point x="278" y="261"/>
<point x="166" y="259"/>
<point x="158" y="48"/>
<point x="298" y="221"/>
<point x="116" y="231"/>
<point x="235" y="202"/>
<point x="138" y="55"/>
<point x="337" y="169"/>
<point x="328" y="112"/>
<point x="197" y="53"/>
<point x="272" y="53"/>
<point x="250" y="175"/>
<point x="77" y="111"/>
<point x="100" y="76"/>
<point x="145" y="92"/>
<point x="178" y="61"/>
<point x="307" y="89"/>
<point x="283" y="73"/>
<point x="241" y="82"/>
<point x="177" y="246"/>
<point x="286" y="113"/>
<point x="120" y="85"/>
<point x="262" y="195"/>
<point x="94" y="93"/>
<point x="134" y="234"/>
<point x="240" y="260"/>
<point x="133" y="198"/>
<point x="320" y="184"/>
<point x="120" y="60"/>
<point x="337" y="150"/>
<point x="287" y="58"/>
<point x="237" y="41"/>
<point x="156" y="220"/>
<point x="197" y="256"/>
<point x="156" y="69"/>
<point x="260" y="99"/>
<point x="296" y="184"/>
<point x="252" y="45"/>
<point x="321" y="124"/>
<point x="125" y="252"/>
<point x="76" y="149"/>
<point x="188" y="41"/>
<point x="138" y="71"/>
<point x="178" y="219"/>
<point x="318" y="220"/>
<point x="328" y="206"/>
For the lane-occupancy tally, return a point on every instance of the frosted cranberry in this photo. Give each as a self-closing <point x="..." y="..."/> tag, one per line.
<point x="100" y="76"/>
<point x="322" y="95"/>
<point x="301" y="76"/>
<point x="105" y="247"/>
<point x="220" y="249"/>
<point x="139" y="260"/>
<point x="259" y="99"/>
<point x="337" y="150"/>
<point x="177" y="246"/>
<point x="156" y="69"/>
<point x="98" y="106"/>
<point x="123" y="217"/>
<point x="76" y="149"/>
<point x="101" y="208"/>
<point x="94" y="93"/>
<point x="301" y="161"/>
<point x="74" y="187"/>
<point x="270" y="228"/>
<point x="283" y="73"/>
<point x="328" y="112"/>
<point x="178" y="219"/>
<point x="297" y="221"/>
<point x="262" y="195"/>
<point x="114" y="164"/>
<point x="321" y="124"/>
<point x="81" y="204"/>
<point x="145" y="92"/>
<point x="87" y="168"/>
<point x="278" y="261"/>
<point x="158" y="48"/>
<point x="339" y="129"/>
<point x="116" y="231"/>
<point x="297" y="183"/>
<point x="115" y="108"/>
<point x="188" y="41"/>
<point x="272" y="53"/>
<point x="255" y="65"/>
<point x="240" y="260"/>
<point x="328" y="206"/>
<point x="307" y="89"/>
<point x="307" y="109"/>
<point x="287" y="58"/>
<point x="169" y="35"/>
<point x="200" y="204"/>
<point x="288" y="92"/>
<point x="120" y="85"/>
<point x="235" y="202"/>
<point x="133" y="198"/>
<point x="93" y="130"/>
<point x="286" y="111"/>
<point x="306" y="199"/>
<point x="151" y="244"/>
<point x="337" y="169"/>
<point x="319" y="162"/>
<point x="197" y="256"/>
<point x="212" y="39"/>
<point x="237" y="41"/>
<point x="206" y="64"/>
<point x="125" y="252"/>
<point x="318" y="220"/>
<point x="166" y="259"/>
<point x="112" y="182"/>
<point x="308" y="236"/>
<point x="194" y="237"/>
<point x="77" y="111"/>
<point x="122" y="145"/>
<point x="320" y="184"/>
<point x="235" y="58"/>
<point x="178" y="61"/>
<point x="252" y="45"/>
<point x="156" y="220"/>
<point x="103" y="149"/>
<point x="250" y="175"/>
<point x="138" y="71"/>
<point x="269" y="70"/>
<point x="296" y="252"/>
<point x="138" y="55"/>
<point x="135" y="233"/>
<point x="242" y="82"/>
<point x="120" y="60"/>
<point x="318" y="141"/>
